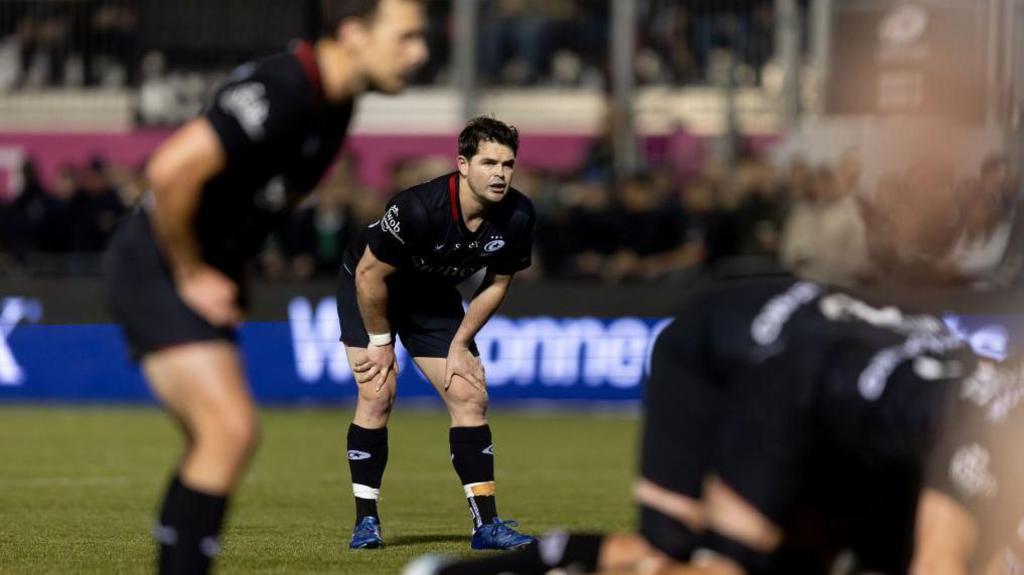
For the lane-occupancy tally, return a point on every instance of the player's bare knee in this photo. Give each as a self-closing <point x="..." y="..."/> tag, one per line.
<point x="373" y="404"/>
<point x="466" y="399"/>
<point x="242" y="432"/>
<point x="468" y="411"/>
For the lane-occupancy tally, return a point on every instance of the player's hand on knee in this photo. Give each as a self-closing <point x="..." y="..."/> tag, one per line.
<point x="463" y="363"/>
<point x="362" y="369"/>
<point x="382" y="362"/>
<point x="211" y="294"/>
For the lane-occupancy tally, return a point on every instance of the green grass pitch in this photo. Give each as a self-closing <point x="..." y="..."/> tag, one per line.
<point x="78" y="487"/>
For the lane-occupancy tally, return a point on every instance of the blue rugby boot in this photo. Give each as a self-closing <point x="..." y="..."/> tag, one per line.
<point x="500" y="535"/>
<point x="366" y="534"/>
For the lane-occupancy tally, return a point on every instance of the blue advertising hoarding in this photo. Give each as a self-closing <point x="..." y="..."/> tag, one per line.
<point x="301" y="360"/>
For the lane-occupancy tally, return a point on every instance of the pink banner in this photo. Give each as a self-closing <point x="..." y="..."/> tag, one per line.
<point x="376" y="154"/>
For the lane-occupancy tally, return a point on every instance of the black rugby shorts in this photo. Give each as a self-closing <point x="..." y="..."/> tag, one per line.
<point x="142" y="296"/>
<point x="424" y="315"/>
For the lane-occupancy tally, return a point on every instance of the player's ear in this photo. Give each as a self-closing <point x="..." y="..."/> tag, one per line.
<point x="353" y="33"/>
<point x="463" y="164"/>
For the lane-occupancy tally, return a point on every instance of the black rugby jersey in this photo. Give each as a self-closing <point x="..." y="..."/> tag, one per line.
<point x="422" y="233"/>
<point x="279" y="136"/>
<point x="980" y="461"/>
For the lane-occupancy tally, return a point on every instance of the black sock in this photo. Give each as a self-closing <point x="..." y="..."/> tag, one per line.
<point x="668" y="534"/>
<point x="574" y="553"/>
<point x="189" y="530"/>
<point x="473" y="458"/>
<point x="164" y="534"/>
<point x="367" y="457"/>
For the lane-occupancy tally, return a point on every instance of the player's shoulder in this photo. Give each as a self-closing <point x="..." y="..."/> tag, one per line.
<point x="418" y="204"/>
<point x="281" y="68"/>
<point x="429" y="195"/>
<point x="278" y="78"/>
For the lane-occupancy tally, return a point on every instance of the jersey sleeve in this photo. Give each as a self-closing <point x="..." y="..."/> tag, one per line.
<point x="401" y="232"/>
<point x="255" y="108"/>
<point x="519" y="255"/>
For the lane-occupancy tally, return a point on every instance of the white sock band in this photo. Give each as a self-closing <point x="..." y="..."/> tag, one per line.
<point x="365" y="491"/>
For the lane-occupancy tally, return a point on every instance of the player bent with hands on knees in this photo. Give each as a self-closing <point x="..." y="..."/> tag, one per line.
<point x="399" y="278"/>
<point x="786" y="422"/>
<point x="218" y="186"/>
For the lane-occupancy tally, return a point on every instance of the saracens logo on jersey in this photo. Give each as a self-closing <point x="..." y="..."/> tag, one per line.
<point x="390" y="224"/>
<point x="494" y="245"/>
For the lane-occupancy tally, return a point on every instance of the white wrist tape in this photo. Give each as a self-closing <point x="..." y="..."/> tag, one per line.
<point x="380" y="339"/>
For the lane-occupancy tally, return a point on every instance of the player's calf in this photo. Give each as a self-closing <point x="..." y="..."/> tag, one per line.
<point x="472" y="452"/>
<point x="367" y="458"/>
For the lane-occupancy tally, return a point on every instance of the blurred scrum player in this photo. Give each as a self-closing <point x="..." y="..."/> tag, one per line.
<point x="399" y="277"/>
<point x="218" y="186"/>
<point x="771" y="398"/>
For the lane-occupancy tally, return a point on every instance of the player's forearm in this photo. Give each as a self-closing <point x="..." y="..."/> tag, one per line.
<point x="176" y="176"/>
<point x="483" y="305"/>
<point x="945" y="536"/>
<point x="372" y="295"/>
<point x="173" y="214"/>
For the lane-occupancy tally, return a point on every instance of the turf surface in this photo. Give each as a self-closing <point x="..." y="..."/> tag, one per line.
<point x="78" y="488"/>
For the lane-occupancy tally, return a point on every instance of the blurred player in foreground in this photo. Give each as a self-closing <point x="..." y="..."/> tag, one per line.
<point x="400" y="278"/>
<point x="218" y="186"/>
<point x="787" y="422"/>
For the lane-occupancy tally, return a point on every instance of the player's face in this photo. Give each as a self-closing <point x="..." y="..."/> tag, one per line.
<point x="395" y="45"/>
<point x="489" y="172"/>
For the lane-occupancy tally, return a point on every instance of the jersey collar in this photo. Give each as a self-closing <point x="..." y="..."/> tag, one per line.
<point x="456" y="203"/>
<point x="307" y="58"/>
<point x="453" y="196"/>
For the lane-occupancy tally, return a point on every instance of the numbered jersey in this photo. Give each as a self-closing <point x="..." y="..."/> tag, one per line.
<point x="422" y="233"/>
<point x="279" y="135"/>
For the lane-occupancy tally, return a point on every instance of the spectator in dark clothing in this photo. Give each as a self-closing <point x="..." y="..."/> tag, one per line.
<point x="711" y="233"/>
<point x="55" y="234"/>
<point x="761" y="211"/>
<point x="647" y="232"/>
<point x="96" y="209"/>
<point x="589" y="230"/>
<point x="23" y="219"/>
<point x="316" y="239"/>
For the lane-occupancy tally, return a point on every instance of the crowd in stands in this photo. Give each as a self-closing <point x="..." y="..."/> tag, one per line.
<point x="70" y="43"/>
<point x="839" y="231"/>
<point x="565" y="42"/>
<point x="520" y="42"/>
<point x="822" y="222"/>
<point x="77" y="214"/>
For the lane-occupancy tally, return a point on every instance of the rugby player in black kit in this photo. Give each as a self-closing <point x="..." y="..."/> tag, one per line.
<point x="217" y="186"/>
<point x="399" y="278"/>
<point x="786" y="421"/>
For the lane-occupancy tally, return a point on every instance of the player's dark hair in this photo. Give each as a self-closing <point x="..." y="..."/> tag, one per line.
<point x="485" y="129"/>
<point x="334" y="12"/>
